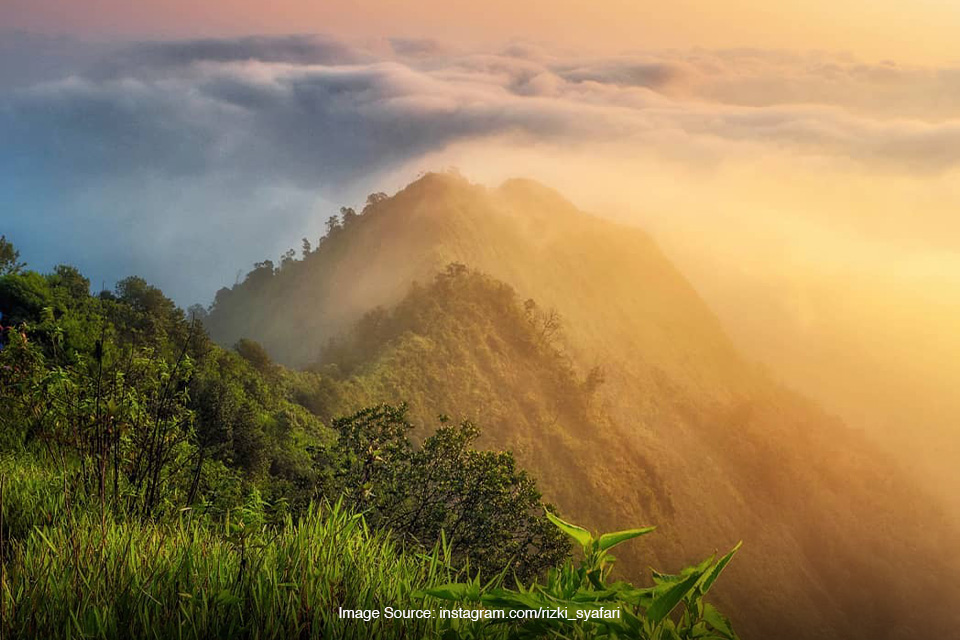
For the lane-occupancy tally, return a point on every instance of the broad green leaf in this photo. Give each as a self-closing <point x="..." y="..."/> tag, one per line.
<point x="664" y="604"/>
<point x="718" y="568"/>
<point x="610" y="540"/>
<point x="665" y="578"/>
<point x="579" y="534"/>
<point x="633" y="623"/>
<point x="718" y="621"/>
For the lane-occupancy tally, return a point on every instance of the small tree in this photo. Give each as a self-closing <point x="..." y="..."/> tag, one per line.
<point x="254" y="353"/>
<point x="197" y="313"/>
<point x="348" y="215"/>
<point x="547" y="323"/>
<point x="333" y="225"/>
<point x="488" y="509"/>
<point x="74" y="282"/>
<point x="9" y="258"/>
<point x="374" y="199"/>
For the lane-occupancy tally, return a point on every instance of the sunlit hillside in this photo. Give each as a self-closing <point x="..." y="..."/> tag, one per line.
<point x="640" y="409"/>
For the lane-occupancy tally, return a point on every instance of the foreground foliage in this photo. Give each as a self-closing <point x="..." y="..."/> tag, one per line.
<point x="246" y="578"/>
<point x="123" y="579"/>
<point x="488" y="510"/>
<point x="144" y="416"/>
<point x="584" y="593"/>
<point x="154" y="484"/>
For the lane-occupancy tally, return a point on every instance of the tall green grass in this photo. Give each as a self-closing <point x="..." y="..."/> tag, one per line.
<point x="71" y="570"/>
<point x="96" y="579"/>
<point x="32" y="493"/>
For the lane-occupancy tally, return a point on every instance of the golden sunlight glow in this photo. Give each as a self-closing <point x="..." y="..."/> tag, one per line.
<point x="842" y="280"/>
<point x="920" y="31"/>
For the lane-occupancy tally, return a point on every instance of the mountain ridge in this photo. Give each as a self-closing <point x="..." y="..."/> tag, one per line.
<point x="738" y="456"/>
<point x="436" y="220"/>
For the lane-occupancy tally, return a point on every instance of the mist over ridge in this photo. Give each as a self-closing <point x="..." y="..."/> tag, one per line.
<point x="753" y="255"/>
<point x="680" y="411"/>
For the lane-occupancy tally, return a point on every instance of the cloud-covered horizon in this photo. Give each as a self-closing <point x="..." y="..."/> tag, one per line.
<point x="810" y="198"/>
<point x="187" y="160"/>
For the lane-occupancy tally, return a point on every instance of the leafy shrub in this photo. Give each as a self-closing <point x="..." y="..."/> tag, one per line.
<point x="247" y="578"/>
<point x="489" y="510"/>
<point x="581" y="592"/>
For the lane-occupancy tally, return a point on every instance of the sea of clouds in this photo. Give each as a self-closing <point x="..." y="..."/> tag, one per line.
<point x="185" y="161"/>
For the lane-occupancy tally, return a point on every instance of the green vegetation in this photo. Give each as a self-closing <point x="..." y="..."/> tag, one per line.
<point x="673" y="428"/>
<point x="9" y="257"/>
<point x="154" y="484"/>
<point x="487" y="510"/>
<point x="180" y="579"/>
<point x="468" y="342"/>
<point x="584" y="592"/>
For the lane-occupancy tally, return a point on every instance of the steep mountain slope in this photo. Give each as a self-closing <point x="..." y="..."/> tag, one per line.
<point x="466" y="342"/>
<point x="521" y="233"/>
<point x="683" y="433"/>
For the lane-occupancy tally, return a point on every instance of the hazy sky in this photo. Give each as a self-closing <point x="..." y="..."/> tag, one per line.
<point x="799" y="160"/>
<point x="916" y="31"/>
<point x="186" y="160"/>
<point x="140" y="113"/>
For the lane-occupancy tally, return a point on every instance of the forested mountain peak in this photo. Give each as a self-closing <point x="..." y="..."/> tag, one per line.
<point x="611" y="282"/>
<point x="682" y="431"/>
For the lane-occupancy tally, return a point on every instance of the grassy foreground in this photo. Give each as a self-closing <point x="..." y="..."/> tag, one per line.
<point x="71" y="571"/>
<point x="96" y="579"/>
<point x="156" y="485"/>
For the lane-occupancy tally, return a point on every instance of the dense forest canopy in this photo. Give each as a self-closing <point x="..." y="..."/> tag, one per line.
<point x="142" y="409"/>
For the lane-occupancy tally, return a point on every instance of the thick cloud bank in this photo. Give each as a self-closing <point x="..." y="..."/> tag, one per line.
<point x="187" y="160"/>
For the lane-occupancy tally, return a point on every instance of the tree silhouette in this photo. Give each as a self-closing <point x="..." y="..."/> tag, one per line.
<point x="9" y="258"/>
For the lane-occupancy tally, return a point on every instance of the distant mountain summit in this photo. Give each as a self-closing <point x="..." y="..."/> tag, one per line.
<point x="574" y="341"/>
<point x="522" y="233"/>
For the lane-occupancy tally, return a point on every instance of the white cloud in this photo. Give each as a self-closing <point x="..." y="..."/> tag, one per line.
<point x="314" y="115"/>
